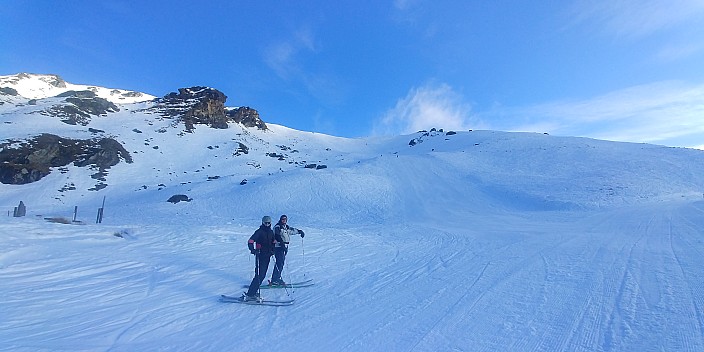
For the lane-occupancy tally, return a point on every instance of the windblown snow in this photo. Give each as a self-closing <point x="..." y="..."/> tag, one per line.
<point x="474" y="241"/>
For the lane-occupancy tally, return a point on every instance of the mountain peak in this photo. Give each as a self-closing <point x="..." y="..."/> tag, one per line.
<point x="205" y="105"/>
<point x="40" y="86"/>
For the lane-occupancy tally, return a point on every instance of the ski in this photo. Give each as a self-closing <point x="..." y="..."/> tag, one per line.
<point x="304" y="283"/>
<point x="232" y="299"/>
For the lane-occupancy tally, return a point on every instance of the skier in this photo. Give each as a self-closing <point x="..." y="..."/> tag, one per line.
<point x="261" y="244"/>
<point x="282" y="233"/>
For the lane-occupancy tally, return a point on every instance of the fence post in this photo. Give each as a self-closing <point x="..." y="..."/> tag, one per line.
<point x="99" y="220"/>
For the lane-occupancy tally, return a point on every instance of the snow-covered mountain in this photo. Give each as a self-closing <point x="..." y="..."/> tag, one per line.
<point x="438" y="240"/>
<point x="40" y="86"/>
<point x="214" y="165"/>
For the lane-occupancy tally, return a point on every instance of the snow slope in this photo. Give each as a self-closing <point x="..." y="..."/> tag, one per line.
<point x="477" y="241"/>
<point x="36" y="86"/>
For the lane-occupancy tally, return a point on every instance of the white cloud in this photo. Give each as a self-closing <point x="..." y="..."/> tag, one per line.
<point x="437" y="106"/>
<point x="403" y="5"/>
<point x="289" y="60"/>
<point x="670" y="113"/>
<point x="284" y="57"/>
<point x="676" y="52"/>
<point x="636" y="18"/>
<point x="279" y="57"/>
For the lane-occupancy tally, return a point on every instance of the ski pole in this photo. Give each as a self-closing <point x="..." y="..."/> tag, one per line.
<point x="304" y="258"/>
<point x="289" y="278"/>
<point x="256" y="271"/>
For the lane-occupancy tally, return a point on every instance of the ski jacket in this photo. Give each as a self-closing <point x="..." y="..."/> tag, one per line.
<point x="283" y="234"/>
<point x="264" y="239"/>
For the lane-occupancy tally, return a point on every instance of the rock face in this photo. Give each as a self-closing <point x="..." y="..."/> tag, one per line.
<point x="28" y="161"/>
<point x="8" y="91"/>
<point x="195" y="106"/>
<point x="205" y="106"/>
<point x="246" y="116"/>
<point x="79" y="106"/>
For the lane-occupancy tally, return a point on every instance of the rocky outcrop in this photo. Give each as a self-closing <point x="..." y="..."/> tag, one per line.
<point x="79" y="106"/>
<point x="26" y="161"/>
<point x="205" y="106"/>
<point x="195" y="106"/>
<point x="8" y="91"/>
<point x="179" y="198"/>
<point x="246" y="116"/>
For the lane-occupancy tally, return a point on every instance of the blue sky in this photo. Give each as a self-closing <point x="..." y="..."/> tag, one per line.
<point x="626" y="70"/>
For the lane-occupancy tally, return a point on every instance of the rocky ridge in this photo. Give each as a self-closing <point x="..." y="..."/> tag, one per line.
<point x="29" y="159"/>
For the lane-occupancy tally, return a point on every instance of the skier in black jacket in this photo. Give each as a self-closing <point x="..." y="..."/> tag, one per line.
<point x="282" y="233"/>
<point x="261" y="244"/>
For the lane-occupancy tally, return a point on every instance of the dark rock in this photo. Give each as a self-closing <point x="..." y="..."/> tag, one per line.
<point x="8" y="91"/>
<point x="247" y="116"/>
<point x="195" y="105"/>
<point x="275" y="155"/>
<point x="205" y="106"/>
<point x="81" y="94"/>
<point x="79" y="106"/>
<point x="179" y="198"/>
<point x="241" y="149"/>
<point x="34" y="158"/>
<point x="132" y="94"/>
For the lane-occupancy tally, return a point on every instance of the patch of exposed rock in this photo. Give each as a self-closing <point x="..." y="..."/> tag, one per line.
<point x="8" y="91"/>
<point x="205" y="106"/>
<point x="246" y="116"/>
<point x="79" y="106"/>
<point x="195" y="106"/>
<point x="26" y="161"/>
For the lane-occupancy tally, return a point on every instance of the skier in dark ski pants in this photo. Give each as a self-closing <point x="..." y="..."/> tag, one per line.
<point x="261" y="244"/>
<point x="282" y="233"/>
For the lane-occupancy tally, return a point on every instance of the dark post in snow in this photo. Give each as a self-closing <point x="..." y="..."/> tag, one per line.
<point x="75" y="212"/>
<point x="99" y="220"/>
<point x="20" y="210"/>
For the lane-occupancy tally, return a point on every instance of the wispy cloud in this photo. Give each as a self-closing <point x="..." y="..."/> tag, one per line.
<point x="669" y="113"/>
<point x="636" y="18"/>
<point x="279" y="57"/>
<point x="676" y="52"/>
<point x="289" y="59"/>
<point x="433" y="105"/>
<point x="284" y="57"/>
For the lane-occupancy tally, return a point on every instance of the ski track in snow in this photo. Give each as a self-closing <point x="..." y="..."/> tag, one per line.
<point x="627" y="279"/>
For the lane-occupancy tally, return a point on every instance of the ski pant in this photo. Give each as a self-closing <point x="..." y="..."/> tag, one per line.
<point x="280" y="256"/>
<point x="260" y="269"/>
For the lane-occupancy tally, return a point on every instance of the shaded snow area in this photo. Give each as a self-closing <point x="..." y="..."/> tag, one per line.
<point x="474" y="241"/>
<point x="621" y="280"/>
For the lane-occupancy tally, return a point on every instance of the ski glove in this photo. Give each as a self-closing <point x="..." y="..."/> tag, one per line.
<point x="300" y="232"/>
